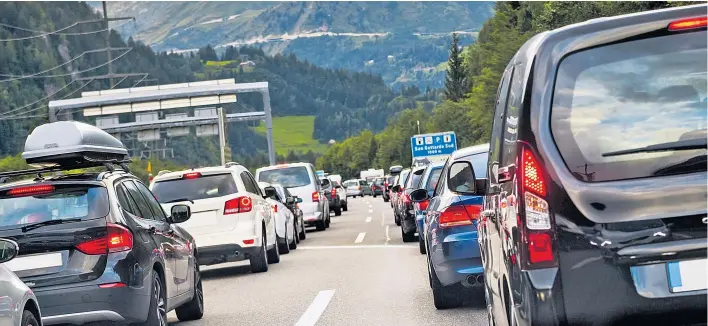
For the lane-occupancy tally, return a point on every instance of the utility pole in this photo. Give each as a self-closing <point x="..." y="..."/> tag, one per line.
<point x="222" y="135"/>
<point x="108" y="39"/>
<point x="418" y="123"/>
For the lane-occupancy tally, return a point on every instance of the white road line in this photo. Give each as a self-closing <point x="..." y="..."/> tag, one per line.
<point x="368" y="219"/>
<point x="383" y="218"/>
<point x="371" y="211"/>
<point x="388" y="238"/>
<point x="316" y="308"/>
<point x="360" y="237"/>
<point x="357" y="247"/>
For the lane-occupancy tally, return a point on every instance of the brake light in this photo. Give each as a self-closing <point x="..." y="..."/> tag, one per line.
<point x="241" y="204"/>
<point x="191" y="175"/>
<point x="540" y="248"/>
<point x="532" y="175"/>
<point x="423" y="205"/>
<point x="688" y="23"/>
<point x="112" y="285"/>
<point x="459" y="215"/>
<point x="30" y="190"/>
<point x="249" y="241"/>
<point x="118" y="238"/>
<point x="316" y="196"/>
<point x="334" y="192"/>
<point x="275" y="208"/>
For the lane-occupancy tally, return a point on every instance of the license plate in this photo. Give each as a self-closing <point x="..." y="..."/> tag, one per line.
<point x="24" y="263"/>
<point x="687" y="275"/>
<point x="201" y="219"/>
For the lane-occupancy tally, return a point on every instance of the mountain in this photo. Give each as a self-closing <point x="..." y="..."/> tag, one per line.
<point x="404" y="42"/>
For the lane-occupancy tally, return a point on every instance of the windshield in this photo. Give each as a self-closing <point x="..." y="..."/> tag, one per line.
<point x="631" y="95"/>
<point x="351" y="183"/>
<point x="65" y="202"/>
<point x="204" y="187"/>
<point x="433" y="178"/>
<point x="379" y="181"/>
<point x="289" y="177"/>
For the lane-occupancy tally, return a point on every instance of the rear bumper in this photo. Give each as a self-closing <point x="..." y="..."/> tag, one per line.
<point x="89" y="303"/>
<point x="456" y="257"/>
<point x="226" y="253"/>
<point x="312" y="217"/>
<point x="351" y="193"/>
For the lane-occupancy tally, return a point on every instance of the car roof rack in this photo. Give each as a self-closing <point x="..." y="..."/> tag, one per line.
<point x="163" y="172"/>
<point x="230" y="164"/>
<point x="68" y="145"/>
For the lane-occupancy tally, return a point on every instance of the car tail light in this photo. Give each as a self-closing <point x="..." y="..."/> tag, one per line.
<point x="118" y="238"/>
<point x="275" y="208"/>
<point x="423" y="205"/>
<point x="459" y="215"/>
<point x="112" y="285"/>
<point x="536" y="224"/>
<point x="358" y="188"/>
<point x="191" y="175"/>
<point x="237" y="205"/>
<point x="316" y="196"/>
<point x="249" y="241"/>
<point x="334" y="192"/>
<point x="30" y="190"/>
<point x="688" y="23"/>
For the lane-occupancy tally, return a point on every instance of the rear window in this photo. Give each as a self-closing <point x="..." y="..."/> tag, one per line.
<point x="379" y="182"/>
<point x="403" y="176"/>
<point x="350" y="183"/>
<point x="433" y="178"/>
<point x="479" y="164"/>
<point x="289" y="177"/>
<point x="204" y="187"/>
<point x="64" y="202"/>
<point x="628" y="96"/>
<point x="391" y="180"/>
<point x="363" y="182"/>
<point x="414" y="179"/>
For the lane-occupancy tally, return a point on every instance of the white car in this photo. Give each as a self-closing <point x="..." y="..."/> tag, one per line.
<point x="302" y="181"/>
<point x="231" y="219"/>
<point x="18" y="305"/>
<point x="284" y="219"/>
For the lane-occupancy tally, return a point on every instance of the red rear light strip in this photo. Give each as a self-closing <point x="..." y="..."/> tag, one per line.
<point x="237" y="205"/>
<point x="30" y="190"/>
<point x="688" y="23"/>
<point x="118" y="239"/>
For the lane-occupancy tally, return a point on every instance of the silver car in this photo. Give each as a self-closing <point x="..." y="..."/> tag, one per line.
<point x="18" y="305"/>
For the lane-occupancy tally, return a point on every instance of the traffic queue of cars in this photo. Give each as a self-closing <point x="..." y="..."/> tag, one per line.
<point x="573" y="213"/>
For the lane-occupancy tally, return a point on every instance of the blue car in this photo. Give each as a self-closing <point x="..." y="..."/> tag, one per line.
<point x="428" y="181"/>
<point x="450" y="230"/>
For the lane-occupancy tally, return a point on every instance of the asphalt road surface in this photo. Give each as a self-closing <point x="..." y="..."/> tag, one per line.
<point x="357" y="272"/>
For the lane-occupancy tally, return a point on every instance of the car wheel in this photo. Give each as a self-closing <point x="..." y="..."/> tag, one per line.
<point x="157" y="313"/>
<point x="320" y="225"/>
<point x="283" y="246"/>
<point x="293" y="244"/>
<point x="385" y="200"/>
<point x="421" y="244"/>
<point x="395" y="217"/>
<point x="194" y="309"/>
<point x="337" y="211"/>
<point x="345" y="207"/>
<point x="274" y="254"/>
<point x="303" y="233"/>
<point x="445" y="297"/>
<point x="328" y="220"/>
<point x="407" y="237"/>
<point x="29" y="319"/>
<point x="297" y="233"/>
<point x="259" y="262"/>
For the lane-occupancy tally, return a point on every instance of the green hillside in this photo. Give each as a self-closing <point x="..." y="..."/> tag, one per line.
<point x="293" y="134"/>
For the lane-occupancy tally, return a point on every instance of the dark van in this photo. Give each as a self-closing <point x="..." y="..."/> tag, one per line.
<point x="595" y="211"/>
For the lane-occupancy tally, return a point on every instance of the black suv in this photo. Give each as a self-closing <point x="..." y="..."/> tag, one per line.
<point x="330" y="192"/>
<point x="595" y="211"/>
<point x="97" y="247"/>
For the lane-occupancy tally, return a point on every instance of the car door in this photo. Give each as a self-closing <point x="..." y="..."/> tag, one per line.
<point x="493" y="233"/>
<point x="182" y="248"/>
<point x="152" y="230"/>
<point x="434" y="209"/>
<point x="264" y="208"/>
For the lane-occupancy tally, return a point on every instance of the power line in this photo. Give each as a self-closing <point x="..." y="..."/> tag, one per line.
<point x="35" y="75"/>
<point x="37" y="101"/>
<point x="48" y="33"/>
<point x="17" y="115"/>
<point x="59" y="33"/>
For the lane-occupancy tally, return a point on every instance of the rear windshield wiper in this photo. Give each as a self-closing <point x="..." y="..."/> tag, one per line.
<point x="50" y="222"/>
<point x="681" y="145"/>
<point x="179" y="199"/>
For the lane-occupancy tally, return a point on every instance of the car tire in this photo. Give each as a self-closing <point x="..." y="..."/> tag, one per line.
<point x="328" y="220"/>
<point x="194" y="309"/>
<point x="274" y="254"/>
<point x="297" y="233"/>
<point x="345" y="207"/>
<point x="337" y="211"/>
<point x="407" y="237"/>
<point x="283" y="246"/>
<point x="421" y="244"/>
<point x="259" y="262"/>
<point x="303" y="233"/>
<point x="320" y="225"/>
<point x="29" y="319"/>
<point x="445" y="297"/>
<point x="395" y="218"/>
<point x="385" y="200"/>
<point x="157" y="313"/>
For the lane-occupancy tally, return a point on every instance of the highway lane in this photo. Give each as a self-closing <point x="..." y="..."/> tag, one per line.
<point x="357" y="272"/>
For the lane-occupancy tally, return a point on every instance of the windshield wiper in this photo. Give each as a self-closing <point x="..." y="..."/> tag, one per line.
<point x="681" y="145"/>
<point x="50" y="222"/>
<point x="179" y="199"/>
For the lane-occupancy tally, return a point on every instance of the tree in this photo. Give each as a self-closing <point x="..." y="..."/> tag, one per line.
<point x="455" y="79"/>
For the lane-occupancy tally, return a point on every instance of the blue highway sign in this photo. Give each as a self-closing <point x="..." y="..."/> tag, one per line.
<point x="442" y="143"/>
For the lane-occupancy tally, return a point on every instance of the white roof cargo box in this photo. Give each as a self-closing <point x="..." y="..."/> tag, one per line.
<point x="72" y="143"/>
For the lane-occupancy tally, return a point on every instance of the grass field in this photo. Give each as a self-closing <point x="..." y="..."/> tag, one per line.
<point x="293" y="133"/>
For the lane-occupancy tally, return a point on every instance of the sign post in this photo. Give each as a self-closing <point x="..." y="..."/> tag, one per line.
<point x="432" y="147"/>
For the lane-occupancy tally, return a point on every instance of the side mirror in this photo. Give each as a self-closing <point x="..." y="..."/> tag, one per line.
<point x="298" y="200"/>
<point x="396" y="188"/>
<point x="180" y="213"/>
<point x="8" y="250"/>
<point x="418" y="195"/>
<point x="461" y="178"/>
<point x="271" y="193"/>
<point x="289" y="200"/>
